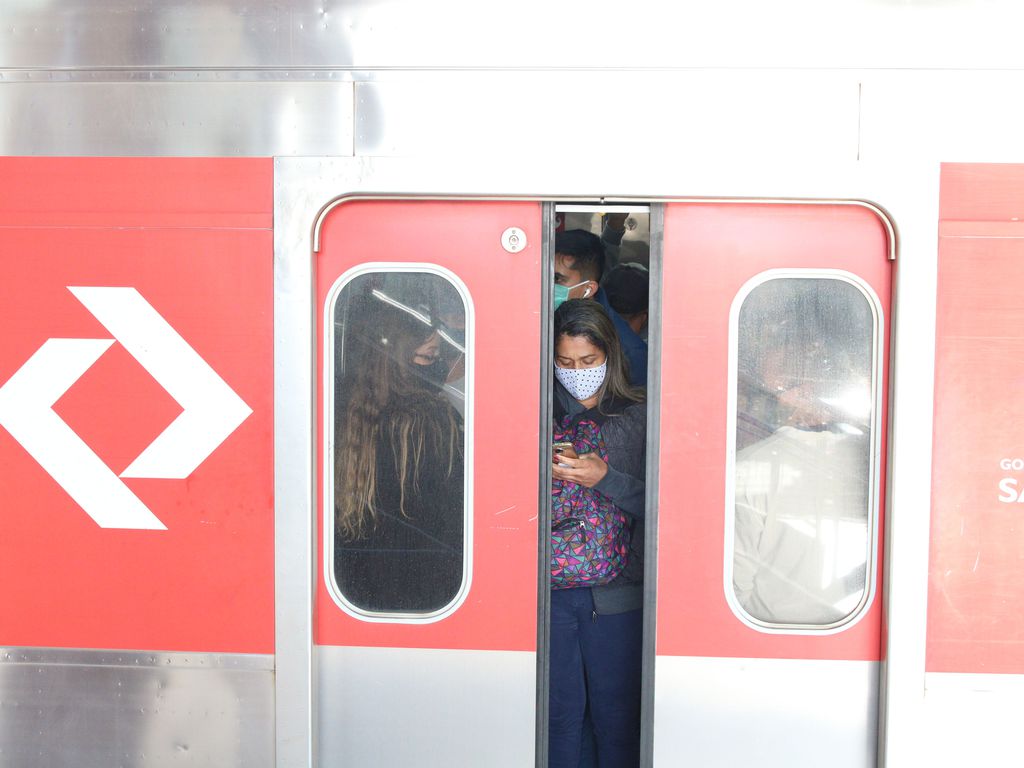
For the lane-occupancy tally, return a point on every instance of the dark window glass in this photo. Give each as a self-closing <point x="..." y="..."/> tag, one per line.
<point x="804" y="451"/>
<point x="398" y="455"/>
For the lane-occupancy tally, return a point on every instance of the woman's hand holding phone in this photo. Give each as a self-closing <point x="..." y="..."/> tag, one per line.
<point x="563" y="450"/>
<point x="586" y="470"/>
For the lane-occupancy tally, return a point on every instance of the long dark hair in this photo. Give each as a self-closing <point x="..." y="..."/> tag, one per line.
<point x="587" y="318"/>
<point x="388" y="405"/>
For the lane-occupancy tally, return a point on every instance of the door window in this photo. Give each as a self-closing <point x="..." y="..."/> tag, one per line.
<point x="801" y="503"/>
<point x="396" y="470"/>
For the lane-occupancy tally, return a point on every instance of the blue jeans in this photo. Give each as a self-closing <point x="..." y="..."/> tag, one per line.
<point x="594" y="660"/>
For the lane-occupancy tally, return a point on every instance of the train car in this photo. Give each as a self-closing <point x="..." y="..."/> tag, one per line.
<point x="194" y="198"/>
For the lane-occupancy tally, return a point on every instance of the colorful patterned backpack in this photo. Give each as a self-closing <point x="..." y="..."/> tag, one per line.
<point x="589" y="534"/>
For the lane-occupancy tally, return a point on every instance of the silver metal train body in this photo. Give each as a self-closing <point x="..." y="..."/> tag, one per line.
<point x="190" y="186"/>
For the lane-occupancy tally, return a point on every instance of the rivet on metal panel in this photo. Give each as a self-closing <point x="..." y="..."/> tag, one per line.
<point x="513" y="239"/>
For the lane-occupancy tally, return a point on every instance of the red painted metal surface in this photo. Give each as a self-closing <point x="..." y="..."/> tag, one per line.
<point x="193" y="238"/>
<point x="711" y="250"/>
<point x="976" y="567"/>
<point x="500" y="611"/>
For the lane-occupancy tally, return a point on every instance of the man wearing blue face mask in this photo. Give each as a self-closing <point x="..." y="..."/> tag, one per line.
<point x="579" y="266"/>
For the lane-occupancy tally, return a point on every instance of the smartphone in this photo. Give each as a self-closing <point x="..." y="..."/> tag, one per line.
<point x="565" y="449"/>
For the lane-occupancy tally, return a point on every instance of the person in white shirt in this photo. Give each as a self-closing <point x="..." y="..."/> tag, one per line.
<point x="802" y="493"/>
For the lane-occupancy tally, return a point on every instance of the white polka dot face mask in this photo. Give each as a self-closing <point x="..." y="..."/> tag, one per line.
<point x="582" y="383"/>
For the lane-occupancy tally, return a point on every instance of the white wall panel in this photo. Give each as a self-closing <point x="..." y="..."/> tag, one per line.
<point x="722" y="712"/>
<point x="613" y="119"/>
<point x="413" y="706"/>
<point x="972" y="720"/>
<point x="171" y="118"/>
<point x="531" y="33"/>
<point x="914" y="117"/>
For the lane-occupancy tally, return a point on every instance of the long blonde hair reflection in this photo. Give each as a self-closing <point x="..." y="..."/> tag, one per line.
<point x="392" y="401"/>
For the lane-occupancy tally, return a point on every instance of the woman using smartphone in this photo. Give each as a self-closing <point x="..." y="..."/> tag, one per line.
<point x="596" y="598"/>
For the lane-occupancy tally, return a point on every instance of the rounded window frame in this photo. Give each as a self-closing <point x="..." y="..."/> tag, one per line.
<point x="874" y="471"/>
<point x="327" y="501"/>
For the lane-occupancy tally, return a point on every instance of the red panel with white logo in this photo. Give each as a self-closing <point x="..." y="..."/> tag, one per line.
<point x="976" y="573"/>
<point x="136" y="396"/>
<point x="499" y="611"/>
<point x="711" y="252"/>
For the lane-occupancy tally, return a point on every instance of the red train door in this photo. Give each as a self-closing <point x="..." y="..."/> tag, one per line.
<point x="772" y="427"/>
<point x="426" y="611"/>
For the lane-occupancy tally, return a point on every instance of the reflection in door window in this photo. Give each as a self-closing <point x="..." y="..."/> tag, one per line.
<point x="804" y="416"/>
<point x="399" y="444"/>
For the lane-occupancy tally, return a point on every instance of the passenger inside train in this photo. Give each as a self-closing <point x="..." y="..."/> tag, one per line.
<point x="802" y="491"/>
<point x="399" y="444"/>
<point x="626" y="239"/>
<point x="597" y="540"/>
<point x="623" y="236"/>
<point x="627" y="288"/>
<point x="579" y="269"/>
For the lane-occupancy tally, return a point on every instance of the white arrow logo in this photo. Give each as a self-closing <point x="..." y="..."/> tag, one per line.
<point x="210" y="408"/>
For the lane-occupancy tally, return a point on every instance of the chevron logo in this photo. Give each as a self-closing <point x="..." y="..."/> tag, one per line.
<point x="211" y="410"/>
